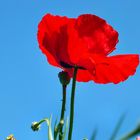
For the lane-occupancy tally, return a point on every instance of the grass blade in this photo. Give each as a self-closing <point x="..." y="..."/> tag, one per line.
<point x="94" y="134"/>
<point x="118" y="126"/>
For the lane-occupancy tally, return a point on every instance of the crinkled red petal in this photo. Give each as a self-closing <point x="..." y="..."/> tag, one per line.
<point x="115" y="69"/>
<point x="90" y="34"/>
<point x="53" y="38"/>
<point x="103" y="70"/>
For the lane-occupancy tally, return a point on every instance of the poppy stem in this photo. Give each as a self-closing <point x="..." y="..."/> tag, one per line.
<point x="72" y="103"/>
<point x="63" y="111"/>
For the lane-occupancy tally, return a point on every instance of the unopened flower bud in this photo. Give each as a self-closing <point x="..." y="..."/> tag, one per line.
<point x="11" y="137"/>
<point x="35" y="126"/>
<point x="64" y="78"/>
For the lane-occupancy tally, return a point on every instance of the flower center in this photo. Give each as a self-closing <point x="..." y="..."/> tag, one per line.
<point x="68" y="66"/>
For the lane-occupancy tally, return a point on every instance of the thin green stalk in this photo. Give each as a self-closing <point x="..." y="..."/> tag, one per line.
<point x="72" y="103"/>
<point x="94" y="134"/>
<point x="131" y="134"/>
<point x="117" y="128"/>
<point x="62" y="111"/>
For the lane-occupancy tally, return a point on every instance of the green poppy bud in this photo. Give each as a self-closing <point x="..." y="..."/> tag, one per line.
<point x="64" y="78"/>
<point x="35" y="126"/>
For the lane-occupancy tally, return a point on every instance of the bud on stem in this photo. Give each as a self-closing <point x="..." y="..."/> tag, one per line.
<point x="36" y="125"/>
<point x="64" y="78"/>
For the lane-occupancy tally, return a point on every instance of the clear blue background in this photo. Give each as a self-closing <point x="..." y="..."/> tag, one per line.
<point x="29" y="87"/>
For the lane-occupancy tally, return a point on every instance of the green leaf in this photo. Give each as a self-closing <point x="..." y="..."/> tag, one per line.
<point x="85" y="139"/>
<point x="118" y="126"/>
<point x="65" y="130"/>
<point x="55" y="130"/>
<point x="48" y="121"/>
<point x="133" y="133"/>
<point x="94" y="134"/>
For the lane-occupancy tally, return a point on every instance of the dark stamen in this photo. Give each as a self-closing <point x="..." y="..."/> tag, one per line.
<point x="65" y="65"/>
<point x="79" y="67"/>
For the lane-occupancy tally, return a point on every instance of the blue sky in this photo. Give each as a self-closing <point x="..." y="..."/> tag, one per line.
<point x="29" y="87"/>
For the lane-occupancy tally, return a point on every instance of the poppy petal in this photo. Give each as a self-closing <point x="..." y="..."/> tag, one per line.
<point x="53" y="38"/>
<point x="102" y="37"/>
<point x="86" y="67"/>
<point x="91" y="34"/>
<point x="116" y="69"/>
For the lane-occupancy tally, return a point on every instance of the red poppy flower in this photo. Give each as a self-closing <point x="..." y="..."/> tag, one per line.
<point x="86" y="42"/>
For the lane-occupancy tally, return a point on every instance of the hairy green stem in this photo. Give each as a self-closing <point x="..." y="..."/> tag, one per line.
<point x="72" y="103"/>
<point x="62" y="111"/>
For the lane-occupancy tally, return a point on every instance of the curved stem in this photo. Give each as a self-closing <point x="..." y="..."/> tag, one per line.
<point x="63" y="110"/>
<point x="72" y="103"/>
<point x="132" y="133"/>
